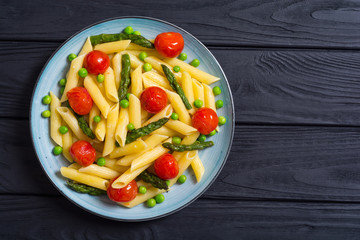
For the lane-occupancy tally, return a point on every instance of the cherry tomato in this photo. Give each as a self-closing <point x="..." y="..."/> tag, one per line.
<point x="96" y="62"/>
<point x="205" y="120"/>
<point x="83" y="153"/>
<point x="166" y="166"/>
<point x="153" y="99"/>
<point x="80" y="100"/>
<point x="169" y="44"/>
<point x="124" y="194"/>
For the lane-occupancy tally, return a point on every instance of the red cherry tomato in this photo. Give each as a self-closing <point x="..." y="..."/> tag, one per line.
<point x="124" y="194"/>
<point x="205" y="120"/>
<point x="80" y="100"/>
<point x="96" y="62"/>
<point x="166" y="166"/>
<point x="83" y="153"/>
<point x="153" y="99"/>
<point x="169" y="44"/>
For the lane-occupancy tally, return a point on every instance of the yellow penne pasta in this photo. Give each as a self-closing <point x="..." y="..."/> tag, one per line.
<point x="134" y="111"/>
<point x="84" y="178"/>
<point x="131" y="148"/>
<point x="136" y="82"/>
<point x="187" y="86"/>
<point x="189" y="139"/>
<point x="149" y="52"/>
<point x="133" y="46"/>
<point x="111" y="163"/>
<point x="67" y="141"/>
<point x="96" y="95"/>
<point x="166" y="131"/>
<point x="113" y="47"/>
<point x="127" y="177"/>
<point x="156" y="64"/>
<point x="180" y="127"/>
<point x="183" y="163"/>
<point x="110" y="85"/>
<point x="93" y="112"/>
<point x="87" y="47"/>
<point x="100" y="129"/>
<point x="157" y="78"/>
<point x="179" y="107"/>
<point x="165" y="113"/>
<point x="193" y="71"/>
<point x="111" y="123"/>
<point x="73" y="76"/>
<point x="135" y="62"/>
<point x="55" y="120"/>
<point x="144" y="115"/>
<point x="121" y="127"/>
<point x="198" y="89"/>
<point x="103" y="172"/>
<point x="116" y="65"/>
<point x="198" y="168"/>
<point x="74" y="166"/>
<point x="209" y="97"/>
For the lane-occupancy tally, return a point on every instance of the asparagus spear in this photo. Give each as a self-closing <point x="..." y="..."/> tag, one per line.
<point x="81" y="188"/>
<point x="175" y="85"/>
<point x="125" y="76"/>
<point x="137" y="39"/>
<point x="181" y="147"/>
<point x="143" y="131"/>
<point x="155" y="181"/>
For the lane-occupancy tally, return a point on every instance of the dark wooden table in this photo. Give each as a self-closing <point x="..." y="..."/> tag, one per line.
<point x="294" y="167"/>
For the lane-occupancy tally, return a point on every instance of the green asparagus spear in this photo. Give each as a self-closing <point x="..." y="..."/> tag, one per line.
<point x="181" y="147"/>
<point x="125" y="76"/>
<point x="81" y="188"/>
<point x="84" y="126"/>
<point x="175" y="85"/>
<point x="137" y="39"/>
<point x="155" y="181"/>
<point x="143" y="131"/>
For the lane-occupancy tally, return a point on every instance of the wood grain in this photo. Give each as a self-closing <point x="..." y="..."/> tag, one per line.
<point x="269" y="85"/>
<point x="266" y="163"/>
<point x="325" y="24"/>
<point x="57" y="218"/>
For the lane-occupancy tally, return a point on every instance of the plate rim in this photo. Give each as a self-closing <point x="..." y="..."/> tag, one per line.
<point x="157" y="216"/>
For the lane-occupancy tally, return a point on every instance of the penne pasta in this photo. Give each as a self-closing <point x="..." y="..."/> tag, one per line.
<point x="110" y="85"/>
<point x="111" y="123"/>
<point x="87" y="47"/>
<point x="158" y="79"/>
<point x="183" y="163"/>
<point x="198" y="168"/>
<point x="96" y="95"/>
<point x="180" y="127"/>
<point x="127" y="177"/>
<point x="136" y="82"/>
<point x="167" y="132"/>
<point x="198" y="90"/>
<point x="179" y="107"/>
<point x="134" y="111"/>
<point x="116" y="65"/>
<point x="131" y="148"/>
<point x="93" y="112"/>
<point x="84" y="178"/>
<point x="67" y="141"/>
<point x="55" y="120"/>
<point x="187" y="86"/>
<point x="111" y="163"/>
<point x="156" y="64"/>
<point x="135" y="62"/>
<point x="121" y="127"/>
<point x="165" y="113"/>
<point x="100" y="129"/>
<point x="113" y="47"/>
<point x="102" y="172"/>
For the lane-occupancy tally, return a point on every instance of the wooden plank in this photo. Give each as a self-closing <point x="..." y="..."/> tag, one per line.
<point x="268" y="85"/>
<point x="239" y="23"/>
<point x="57" y="218"/>
<point x="274" y="163"/>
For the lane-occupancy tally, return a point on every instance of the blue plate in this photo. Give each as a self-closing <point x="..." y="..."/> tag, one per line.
<point x="180" y="195"/>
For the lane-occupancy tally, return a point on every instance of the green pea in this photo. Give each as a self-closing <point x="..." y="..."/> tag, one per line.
<point x="57" y="150"/>
<point x="97" y="119"/>
<point x="198" y="103"/>
<point x="63" y="129"/>
<point x="202" y="138"/>
<point x="128" y="30"/>
<point x="101" y="161"/>
<point x="183" y="56"/>
<point x="195" y="62"/>
<point x="142" y="189"/>
<point x="216" y="90"/>
<point x="83" y="72"/>
<point x="124" y="103"/>
<point x="46" y="114"/>
<point x="62" y="90"/>
<point x="222" y="120"/>
<point x="62" y="82"/>
<point x="128" y="96"/>
<point x="137" y="33"/>
<point x="212" y="133"/>
<point x="147" y="67"/>
<point x="174" y="116"/>
<point x="176" y="69"/>
<point x="182" y="179"/>
<point x="159" y="198"/>
<point x="72" y="56"/>
<point x="143" y="55"/>
<point x="100" y="78"/>
<point x="167" y="182"/>
<point x="130" y="126"/>
<point x="219" y="103"/>
<point x="176" y="140"/>
<point x="151" y="202"/>
<point x="46" y="100"/>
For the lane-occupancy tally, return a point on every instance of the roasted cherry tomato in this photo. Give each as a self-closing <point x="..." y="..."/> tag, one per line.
<point x="205" y="120"/>
<point x="96" y="62"/>
<point x="166" y="166"/>
<point x="80" y="100"/>
<point x="153" y="99"/>
<point x="169" y="44"/>
<point x="83" y="153"/>
<point x="124" y="194"/>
